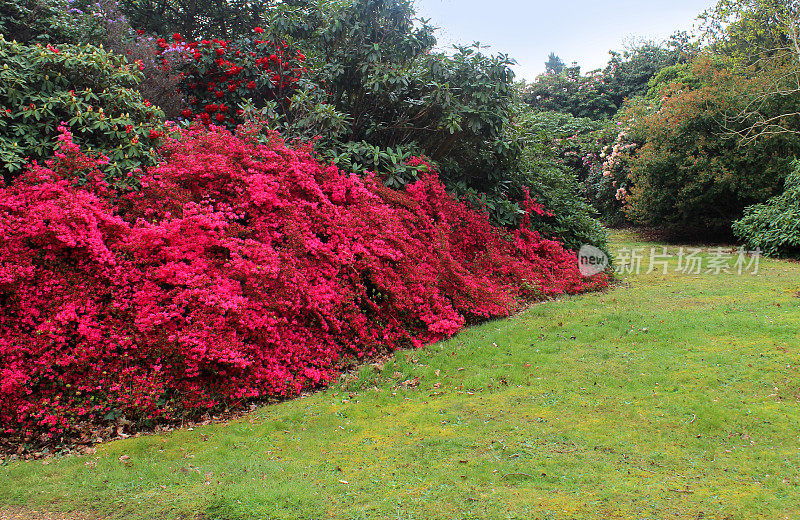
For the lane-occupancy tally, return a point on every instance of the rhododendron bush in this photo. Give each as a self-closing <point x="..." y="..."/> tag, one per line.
<point x="238" y="271"/>
<point x="219" y="75"/>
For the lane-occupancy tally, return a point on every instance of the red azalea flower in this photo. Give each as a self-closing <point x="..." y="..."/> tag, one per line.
<point x="220" y="117"/>
<point x="177" y="37"/>
<point x="251" y="85"/>
<point x="218" y="93"/>
<point x="220" y="52"/>
<point x="258" y="30"/>
<point x="186" y="113"/>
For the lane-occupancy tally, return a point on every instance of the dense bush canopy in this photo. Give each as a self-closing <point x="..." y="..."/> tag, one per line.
<point x="90" y="90"/>
<point x="689" y="174"/>
<point x="238" y="271"/>
<point x="774" y="226"/>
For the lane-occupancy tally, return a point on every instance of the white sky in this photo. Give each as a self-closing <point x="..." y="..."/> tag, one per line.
<point x="576" y="30"/>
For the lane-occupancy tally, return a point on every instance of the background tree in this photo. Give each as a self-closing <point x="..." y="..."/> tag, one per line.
<point x="554" y="64"/>
<point x="629" y="72"/>
<point x="763" y="39"/>
<point x="599" y="94"/>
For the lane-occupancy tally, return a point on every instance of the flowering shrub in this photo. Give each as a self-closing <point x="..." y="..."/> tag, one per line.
<point x="600" y="94"/>
<point x="551" y="170"/>
<point x="92" y="90"/>
<point x="690" y="176"/>
<point x="219" y="75"/>
<point x="572" y="93"/>
<point x="607" y="183"/>
<point x="238" y="271"/>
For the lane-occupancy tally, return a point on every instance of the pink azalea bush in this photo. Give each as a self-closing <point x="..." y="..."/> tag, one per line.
<point x="238" y="271"/>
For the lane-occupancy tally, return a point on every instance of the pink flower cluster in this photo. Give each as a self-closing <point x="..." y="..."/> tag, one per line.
<point x="238" y="271"/>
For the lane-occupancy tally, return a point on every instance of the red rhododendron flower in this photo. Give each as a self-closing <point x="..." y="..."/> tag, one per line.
<point x="258" y="30"/>
<point x="210" y="73"/>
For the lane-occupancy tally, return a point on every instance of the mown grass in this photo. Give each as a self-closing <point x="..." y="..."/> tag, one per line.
<point x="672" y="396"/>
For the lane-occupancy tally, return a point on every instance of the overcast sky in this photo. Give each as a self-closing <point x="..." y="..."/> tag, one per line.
<point x="576" y="30"/>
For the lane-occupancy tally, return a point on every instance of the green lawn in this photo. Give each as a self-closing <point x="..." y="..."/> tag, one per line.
<point x="672" y="396"/>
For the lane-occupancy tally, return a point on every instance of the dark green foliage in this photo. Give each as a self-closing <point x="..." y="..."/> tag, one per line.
<point x="89" y="89"/>
<point x="390" y="163"/>
<point x="378" y="68"/>
<point x="554" y="64"/>
<point x="196" y="18"/>
<point x="42" y="21"/>
<point x="570" y="218"/>
<point x="388" y="94"/>
<point x="550" y="167"/>
<point x="774" y="226"/>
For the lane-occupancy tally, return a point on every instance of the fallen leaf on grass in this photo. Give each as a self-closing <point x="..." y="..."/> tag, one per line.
<point x="411" y="383"/>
